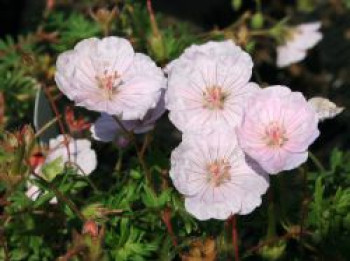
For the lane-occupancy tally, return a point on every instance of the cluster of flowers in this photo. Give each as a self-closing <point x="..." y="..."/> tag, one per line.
<point x="234" y="132"/>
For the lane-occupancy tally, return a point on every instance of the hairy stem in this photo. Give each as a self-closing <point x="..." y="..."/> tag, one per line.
<point x="59" y="120"/>
<point x="61" y="197"/>
<point x="139" y="153"/>
<point x="233" y="221"/>
<point x="317" y="162"/>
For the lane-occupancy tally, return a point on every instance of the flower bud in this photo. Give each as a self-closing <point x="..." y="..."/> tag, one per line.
<point x="273" y="252"/>
<point x="236" y="4"/>
<point x="122" y="141"/>
<point x="90" y="228"/>
<point x="104" y="18"/>
<point x="156" y="47"/>
<point x="257" y="21"/>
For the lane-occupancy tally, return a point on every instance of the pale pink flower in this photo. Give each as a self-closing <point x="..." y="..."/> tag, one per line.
<point x="211" y="48"/>
<point x="80" y="153"/>
<point x="278" y="127"/>
<point x="77" y="152"/>
<point x="108" y="76"/>
<point x="325" y="108"/>
<point x="208" y="86"/>
<point x="298" y="40"/>
<point x="213" y="175"/>
<point x="106" y="128"/>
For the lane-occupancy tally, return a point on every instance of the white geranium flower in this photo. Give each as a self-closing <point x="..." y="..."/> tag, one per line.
<point x="278" y="127"/>
<point x="208" y="86"/>
<point x="108" y="76"/>
<point x="324" y="108"/>
<point x="222" y="48"/>
<point x="214" y="176"/>
<point x="298" y="40"/>
<point x="80" y="155"/>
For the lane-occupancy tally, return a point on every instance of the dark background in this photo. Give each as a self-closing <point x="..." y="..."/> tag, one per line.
<point x="204" y="13"/>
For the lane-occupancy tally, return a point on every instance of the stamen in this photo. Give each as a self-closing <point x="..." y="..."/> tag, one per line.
<point x="214" y="98"/>
<point x="218" y="172"/>
<point x="109" y="82"/>
<point x="275" y="135"/>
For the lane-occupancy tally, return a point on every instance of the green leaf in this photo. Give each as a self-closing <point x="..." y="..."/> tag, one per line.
<point x="336" y="159"/>
<point x="250" y="46"/>
<point x="318" y="194"/>
<point x="53" y="168"/>
<point x="149" y="198"/>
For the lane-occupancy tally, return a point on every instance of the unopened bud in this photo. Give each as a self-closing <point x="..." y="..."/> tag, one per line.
<point x="90" y="228"/>
<point x="236" y="4"/>
<point x="36" y="160"/>
<point x="156" y="47"/>
<point x="273" y="252"/>
<point x="257" y="21"/>
<point x="104" y="18"/>
<point x="28" y="135"/>
<point x="122" y="141"/>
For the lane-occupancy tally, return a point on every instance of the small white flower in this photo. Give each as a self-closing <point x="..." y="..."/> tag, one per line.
<point x="324" y="108"/>
<point x="208" y="86"/>
<point x="298" y="40"/>
<point x="108" y="76"/>
<point x="80" y="154"/>
<point x="214" y="176"/>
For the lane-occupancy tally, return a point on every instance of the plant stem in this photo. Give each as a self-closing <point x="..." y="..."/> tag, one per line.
<point x="275" y="240"/>
<point x="233" y="221"/>
<point x="118" y="166"/>
<point x="258" y="5"/>
<point x="166" y="217"/>
<point x="152" y="18"/>
<point x="271" y="226"/>
<point x="46" y="126"/>
<point x="304" y="205"/>
<point x="146" y="142"/>
<point x="317" y="162"/>
<point x="88" y="180"/>
<point x="265" y="32"/>
<point x="59" y="120"/>
<point x="139" y="153"/>
<point x="62" y="197"/>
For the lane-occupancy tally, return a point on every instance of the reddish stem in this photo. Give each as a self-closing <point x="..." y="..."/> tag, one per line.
<point x="233" y="222"/>
<point x="166" y="216"/>
<point x="152" y="18"/>
<point x="59" y="120"/>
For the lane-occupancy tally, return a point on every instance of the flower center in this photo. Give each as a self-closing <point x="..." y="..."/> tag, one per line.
<point x="109" y="83"/>
<point x="214" y="98"/>
<point x="218" y="172"/>
<point x="275" y="135"/>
